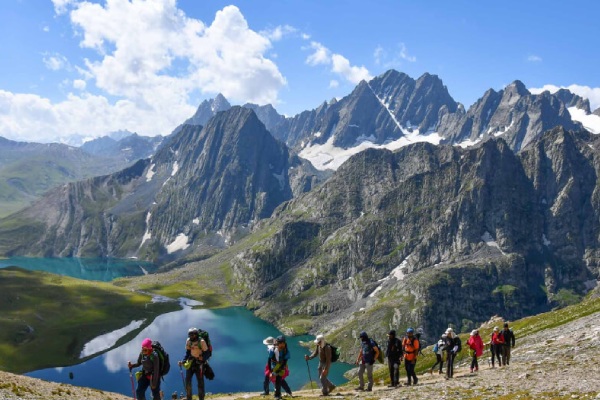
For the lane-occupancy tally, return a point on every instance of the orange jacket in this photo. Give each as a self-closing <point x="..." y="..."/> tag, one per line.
<point x="410" y="348"/>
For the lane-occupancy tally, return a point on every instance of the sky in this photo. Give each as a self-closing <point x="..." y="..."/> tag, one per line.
<point x="88" y="68"/>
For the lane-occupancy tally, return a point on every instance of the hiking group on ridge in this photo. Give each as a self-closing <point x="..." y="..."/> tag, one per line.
<point x="155" y="361"/>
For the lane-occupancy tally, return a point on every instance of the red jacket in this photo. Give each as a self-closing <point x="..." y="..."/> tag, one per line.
<point x="476" y="344"/>
<point x="497" y="338"/>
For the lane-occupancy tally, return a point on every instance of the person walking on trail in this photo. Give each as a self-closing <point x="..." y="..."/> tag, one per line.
<point x="475" y="344"/>
<point x="509" y="342"/>
<point x="195" y="348"/>
<point x="452" y="346"/>
<point x="410" y="348"/>
<point x="323" y="350"/>
<point x="270" y="343"/>
<point x="393" y="354"/>
<point x="369" y="352"/>
<point x="150" y="373"/>
<point x="497" y="344"/>
<point x="279" y="367"/>
<point x="438" y="350"/>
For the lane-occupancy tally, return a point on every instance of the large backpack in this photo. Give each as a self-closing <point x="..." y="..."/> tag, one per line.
<point x="335" y="352"/>
<point x="163" y="358"/>
<point x="206" y="337"/>
<point x="380" y="358"/>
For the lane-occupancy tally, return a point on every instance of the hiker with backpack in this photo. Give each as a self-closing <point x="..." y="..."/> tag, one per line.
<point x="369" y="352"/>
<point x="438" y="350"/>
<point x="452" y="346"/>
<point x="270" y="343"/>
<point x="150" y="374"/>
<point x="497" y="345"/>
<point x="394" y="358"/>
<point x="509" y="342"/>
<point x="410" y="348"/>
<point x="475" y="349"/>
<point x="325" y="353"/>
<point x="194" y="362"/>
<point x="279" y="369"/>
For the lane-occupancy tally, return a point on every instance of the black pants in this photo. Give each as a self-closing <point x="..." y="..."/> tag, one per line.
<point x="410" y="371"/>
<point x="438" y="360"/>
<point x="497" y="353"/>
<point x="281" y="383"/>
<point x="450" y="364"/>
<point x="266" y="384"/>
<point x="474" y="364"/>
<point x="197" y="370"/>
<point x="394" y="368"/>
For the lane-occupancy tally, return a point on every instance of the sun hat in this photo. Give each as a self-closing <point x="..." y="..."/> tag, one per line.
<point x="473" y="332"/>
<point x="269" y="341"/>
<point x="319" y="338"/>
<point x="496" y="329"/>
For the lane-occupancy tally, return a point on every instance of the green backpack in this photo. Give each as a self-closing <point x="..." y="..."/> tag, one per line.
<point x="335" y="352"/>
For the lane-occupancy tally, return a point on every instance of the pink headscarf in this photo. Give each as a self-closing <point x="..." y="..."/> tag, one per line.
<point x="147" y="343"/>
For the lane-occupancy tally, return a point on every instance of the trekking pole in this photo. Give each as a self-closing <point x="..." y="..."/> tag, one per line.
<point x="182" y="378"/>
<point x="132" y="385"/>
<point x="309" y="377"/>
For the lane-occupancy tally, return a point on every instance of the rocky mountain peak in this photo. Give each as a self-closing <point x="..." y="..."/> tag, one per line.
<point x="515" y="90"/>
<point x="572" y="100"/>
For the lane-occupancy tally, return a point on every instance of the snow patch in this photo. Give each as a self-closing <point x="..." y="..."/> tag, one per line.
<point x="489" y="240"/>
<point x="196" y="221"/>
<point x="180" y="243"/>
<point x="467" y="143"/>
<point x="327" y="156"/>
<point x="395" y="273"/>
<point x="175" y="168"/>
<point x="147" y="234"/>
<point x="590" y="122"/>
<point x="108" y="340"/>
<point x="317" y="134"/>
<point x="150" y="173"/>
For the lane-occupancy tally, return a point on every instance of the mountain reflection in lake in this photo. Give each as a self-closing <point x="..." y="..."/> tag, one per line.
<point x="238" y="360"/>
<point x="92" y="269"/>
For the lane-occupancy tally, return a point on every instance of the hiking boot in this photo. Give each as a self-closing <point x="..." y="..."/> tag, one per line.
<point x="471" y="369"/>
<point x="264" y="394"/>
<point x="368" y="390"/>
<point x="332" y="388"/>
<point x="416" y="380"/>
<point x="359" y="389"/>
<point x="407" y="384"/>
<point x="391" y="385"/>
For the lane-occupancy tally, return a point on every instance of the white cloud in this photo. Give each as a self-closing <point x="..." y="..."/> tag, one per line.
<point x="55" y="62"/>
<point x="333" y="84"/>
<point x="149" y="59"/>
<point x="339" y="64"/>
<point x="590" y="93"/>
<point x="383" y="57"/>
<point x="79" y="84"/>
<point x="321" y="55"/>
<point x="279" y="32"/>
<point x="534" y="58"/>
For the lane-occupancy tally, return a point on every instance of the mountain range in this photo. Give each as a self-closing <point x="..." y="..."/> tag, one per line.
<point x="411" y="209"/>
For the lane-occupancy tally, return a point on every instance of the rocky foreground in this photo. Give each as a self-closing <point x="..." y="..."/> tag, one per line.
<point x="557" y="363"/>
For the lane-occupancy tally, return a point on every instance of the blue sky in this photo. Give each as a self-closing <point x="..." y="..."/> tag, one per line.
<point x="73" y="67"/>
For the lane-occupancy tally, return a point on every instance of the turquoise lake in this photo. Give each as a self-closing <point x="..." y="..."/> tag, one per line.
<point x="239" y="357"/>
<point x="93" y="269"/>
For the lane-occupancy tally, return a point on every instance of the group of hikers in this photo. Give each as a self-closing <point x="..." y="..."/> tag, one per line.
<point x="407" y="349"/>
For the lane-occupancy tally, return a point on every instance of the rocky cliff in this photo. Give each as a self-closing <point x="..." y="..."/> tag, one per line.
<point x="428" y="236"/>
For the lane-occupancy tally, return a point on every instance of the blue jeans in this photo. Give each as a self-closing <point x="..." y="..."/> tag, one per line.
<point x="143" y="384"/>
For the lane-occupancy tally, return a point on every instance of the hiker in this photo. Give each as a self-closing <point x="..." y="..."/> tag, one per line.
<point x="323" y="350"/>
<point x="497" y="343"/>
<point x="393" y="354"/>
<point x="150" y="373"/>
<point x="195" y="347"/>
<point x="509" y="342"/>
<point x="369" y="352"/>
<point x="410" y="348"/>
<point x="270" y="343"/>
<point x="476" y="349"/>
<point x="452" y="346"/>
<point x="279" y="369"/>
<point x="438" y="349"/>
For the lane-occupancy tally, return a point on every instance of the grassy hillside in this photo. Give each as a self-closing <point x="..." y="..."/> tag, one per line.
<point x="46" y="319"/>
